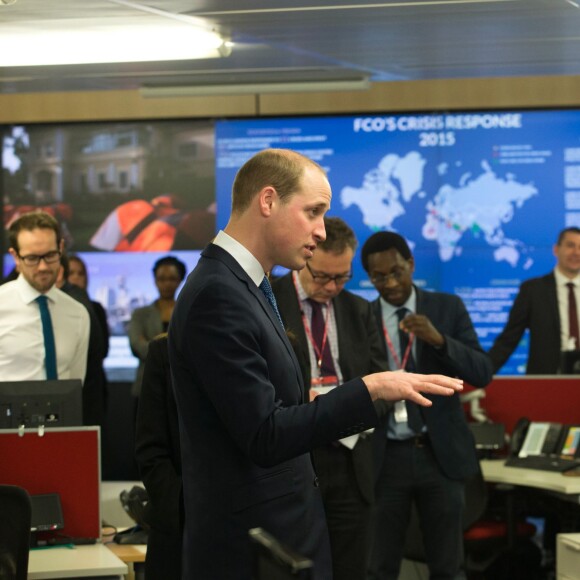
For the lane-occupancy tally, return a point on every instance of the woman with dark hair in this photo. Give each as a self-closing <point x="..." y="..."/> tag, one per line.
<point x="149" y="321"/>
<point x="77" y="274"/>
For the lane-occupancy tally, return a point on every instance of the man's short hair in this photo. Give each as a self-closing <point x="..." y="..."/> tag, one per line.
<point x="31" y="221"/>
<point x="280" y="168"/>
<point x="570" y="230"/>
<point x="339" y="236"/>
<point x="381" y="242"/>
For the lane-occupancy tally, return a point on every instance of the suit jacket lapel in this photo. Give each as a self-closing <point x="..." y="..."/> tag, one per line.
<point x="552" y="300"/>
<point x="216" y="252"/>
<point x="292" y="316"/>
<point x="421" y="309"/>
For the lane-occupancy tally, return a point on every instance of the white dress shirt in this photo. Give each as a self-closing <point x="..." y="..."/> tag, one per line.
<point x="21" y="337"/>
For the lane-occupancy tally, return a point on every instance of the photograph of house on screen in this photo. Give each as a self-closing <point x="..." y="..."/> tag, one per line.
<point x="115" y="187"/>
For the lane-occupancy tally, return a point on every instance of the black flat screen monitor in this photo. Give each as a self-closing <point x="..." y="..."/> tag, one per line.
<point x="46" y="513"/>
<point x="33" y="404"/>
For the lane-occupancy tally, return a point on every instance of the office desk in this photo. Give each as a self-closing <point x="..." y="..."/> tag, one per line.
<point x="495" y="471"/>
<point x="78" y="562"/>
<point x="566" y="488"/>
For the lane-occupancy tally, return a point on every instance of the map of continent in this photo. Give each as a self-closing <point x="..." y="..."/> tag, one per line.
<point x="386" y="189"/>
<point x="481" y="205"/>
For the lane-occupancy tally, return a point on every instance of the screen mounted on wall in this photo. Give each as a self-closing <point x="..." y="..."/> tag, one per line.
<point x="480" y="196"/>
<point x="125" y="194"/>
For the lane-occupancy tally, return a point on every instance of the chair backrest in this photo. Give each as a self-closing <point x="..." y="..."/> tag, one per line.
<point x="14" y="532"/>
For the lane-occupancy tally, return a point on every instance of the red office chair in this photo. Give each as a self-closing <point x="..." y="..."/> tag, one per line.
<point x="486" y="539"/>
<point x="14" y="532"/>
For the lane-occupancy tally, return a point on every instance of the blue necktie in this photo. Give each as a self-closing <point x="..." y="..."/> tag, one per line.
<point x="47" y="332"/>
<point x="414" y="417"/>
<point x="267" y="291"/>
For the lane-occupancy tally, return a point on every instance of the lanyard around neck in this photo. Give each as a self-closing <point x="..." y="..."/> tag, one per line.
<point x="393" y="352"/>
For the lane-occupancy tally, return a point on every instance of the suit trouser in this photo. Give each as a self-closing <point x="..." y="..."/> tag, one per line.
<point x="410" y="474"/>
<point x="348" y="515"/>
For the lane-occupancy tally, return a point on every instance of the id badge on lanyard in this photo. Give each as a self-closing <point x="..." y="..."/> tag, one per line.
<point x="323" y="385"/>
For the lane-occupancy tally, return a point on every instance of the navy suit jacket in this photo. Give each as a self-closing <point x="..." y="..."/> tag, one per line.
<point x="245" y="434"/>
<point x="536" y="308"/>
<point x="359" y="351"/>
<point x="450" y="436"/>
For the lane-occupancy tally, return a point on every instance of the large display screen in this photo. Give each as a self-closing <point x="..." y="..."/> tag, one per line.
<point x="480" y="196"/>
<point x="125" y="194"/>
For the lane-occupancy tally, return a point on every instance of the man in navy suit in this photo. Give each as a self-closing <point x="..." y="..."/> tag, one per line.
<point x="244" y="428"/>
<point x="542" y="306"/>
<point x="347" y="346"/>
<point x="423" y="455"/>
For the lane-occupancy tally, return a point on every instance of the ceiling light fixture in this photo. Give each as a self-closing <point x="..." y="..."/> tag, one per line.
<point x="359" y="84"/>
<point x="37" y="45"/>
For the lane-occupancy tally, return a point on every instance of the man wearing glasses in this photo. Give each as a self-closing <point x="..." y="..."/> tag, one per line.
<point x="424" y="455"/>
<point x="44" y="333"/>
<point x="336" y="339"/>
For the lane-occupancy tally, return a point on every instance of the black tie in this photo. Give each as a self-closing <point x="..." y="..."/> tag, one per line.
<point x="414" y="418"/>
<point x="266" y="289"/>
<point x="404" y="341"/>
<point x="48" y="335"/>
<point x="317" y="324"/>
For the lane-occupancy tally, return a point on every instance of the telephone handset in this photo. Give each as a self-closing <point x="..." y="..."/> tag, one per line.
<point x="518" y="435"/>
<point x="535" y="438"/>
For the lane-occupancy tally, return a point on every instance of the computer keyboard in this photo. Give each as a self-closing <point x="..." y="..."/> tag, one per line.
<point x="543" y="463"/>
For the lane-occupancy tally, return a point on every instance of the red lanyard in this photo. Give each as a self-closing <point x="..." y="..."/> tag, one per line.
<point x="393" y="351"/>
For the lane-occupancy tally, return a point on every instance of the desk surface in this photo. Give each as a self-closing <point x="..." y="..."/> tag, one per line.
<point x="128" y="552"/>
<point x="495" y="471"/>
<point x="78" y="562"/>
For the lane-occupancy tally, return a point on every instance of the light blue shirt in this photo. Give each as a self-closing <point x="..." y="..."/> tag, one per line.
<point x="397" y="430"/>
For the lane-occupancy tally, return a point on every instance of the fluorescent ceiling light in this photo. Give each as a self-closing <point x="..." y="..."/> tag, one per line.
<point x="360" y="84"/>
<point x="35" y="44"/>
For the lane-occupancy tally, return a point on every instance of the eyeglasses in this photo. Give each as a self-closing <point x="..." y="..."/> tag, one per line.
<point x="34" y="260"/>
<point x="381" y="279"/>
<point x="326" y="278"/>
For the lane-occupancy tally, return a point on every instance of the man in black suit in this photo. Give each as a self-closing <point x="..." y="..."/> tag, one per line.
<point x="423" y="455"/>
<point x="245" y="431"/>
<point x="542" y="306"/>
<point x="353" y="345"/>
<point x="158" y="456"/>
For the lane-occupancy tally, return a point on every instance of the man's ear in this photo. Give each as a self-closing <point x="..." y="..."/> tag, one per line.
<point x="266" y="200"/>
<point x="13" y="253"/>
<point x="61" y="246"/>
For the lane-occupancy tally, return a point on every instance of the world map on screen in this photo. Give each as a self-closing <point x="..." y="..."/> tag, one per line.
<point x="480" y="204"/>
<point x="479" y="196"/>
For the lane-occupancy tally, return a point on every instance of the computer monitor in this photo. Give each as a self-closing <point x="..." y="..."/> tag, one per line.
<point x="32" y="404"/>
<point x="46" y="513"/>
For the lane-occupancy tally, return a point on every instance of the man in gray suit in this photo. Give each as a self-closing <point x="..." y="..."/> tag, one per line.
<point x="352" y="348"/>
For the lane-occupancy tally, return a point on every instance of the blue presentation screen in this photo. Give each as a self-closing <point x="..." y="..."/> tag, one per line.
<point x="480" y="196"/>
